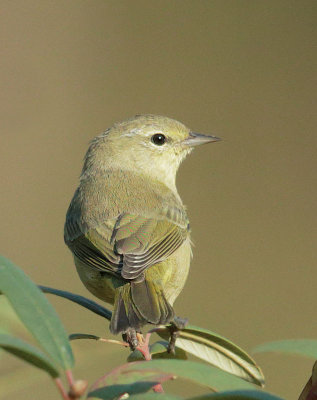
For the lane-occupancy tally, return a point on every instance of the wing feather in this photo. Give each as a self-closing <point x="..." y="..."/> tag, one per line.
<point x="129" y="244"/>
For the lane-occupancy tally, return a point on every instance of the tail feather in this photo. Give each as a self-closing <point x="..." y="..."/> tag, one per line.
<point x="119" y="315"/>
<point x="137" y="304"/>
<point x="124" y="315"/>
<point x="167" y="313"/>
<point x="147" y="299"/>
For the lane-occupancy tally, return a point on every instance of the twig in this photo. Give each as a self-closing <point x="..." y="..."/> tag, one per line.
<point x="69" y="376"/>
<point x="61" y="388"/>
<point x="145" y="350"/>
<point x="113" y="341"/>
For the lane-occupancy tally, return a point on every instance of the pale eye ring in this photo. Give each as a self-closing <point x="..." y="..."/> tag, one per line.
<point x="158" y="139"/>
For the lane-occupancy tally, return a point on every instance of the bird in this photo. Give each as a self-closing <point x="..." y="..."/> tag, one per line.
<point x="127" y="226"/>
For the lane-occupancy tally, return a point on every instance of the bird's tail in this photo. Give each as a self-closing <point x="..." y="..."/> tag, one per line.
<point x="139" y="303"/>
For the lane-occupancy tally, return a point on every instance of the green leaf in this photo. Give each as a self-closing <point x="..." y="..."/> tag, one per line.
<point x="36" y="313"/>
<point x="302" y="347"/>
<point x="238" y="395"/>
<point x="203" y="374"/>
<point x="28" y="353"/>
<point x="75" y="336"/>
<point x="155" y="396"/>
<point x="218" y="351"/>
<point x="132" y="382"/>
<point x="158" y="350"/>
<point x="81" y="300"/>
<point x="9" y="320"/>
<point x="115" y="391"/>
<point x="135" y="355"/>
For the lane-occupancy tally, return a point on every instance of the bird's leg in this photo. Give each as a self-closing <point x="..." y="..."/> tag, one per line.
<point x="130" y="336"/>
<point x="176" y="326"/>
<point x="133" y="338"/>
<point x="179" y="323"/>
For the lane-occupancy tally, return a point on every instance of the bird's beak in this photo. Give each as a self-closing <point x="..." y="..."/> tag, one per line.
<point x="195" y="139"/>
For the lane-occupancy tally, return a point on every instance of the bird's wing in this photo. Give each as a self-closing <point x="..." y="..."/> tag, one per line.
<point x="95" y="250"/>
<point x="130" y="243"/>
<point x="145" y="241"/>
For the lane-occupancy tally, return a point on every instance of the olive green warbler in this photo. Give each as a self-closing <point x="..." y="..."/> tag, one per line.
<point x="127" y="226"/>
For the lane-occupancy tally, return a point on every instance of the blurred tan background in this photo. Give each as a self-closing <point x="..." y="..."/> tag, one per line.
<point x="243" y="70"/>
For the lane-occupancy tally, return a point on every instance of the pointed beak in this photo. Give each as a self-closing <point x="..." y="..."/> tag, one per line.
<point x="195" y="139"/>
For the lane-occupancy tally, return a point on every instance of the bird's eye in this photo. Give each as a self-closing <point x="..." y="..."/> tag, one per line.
<point x="159" y="139"/>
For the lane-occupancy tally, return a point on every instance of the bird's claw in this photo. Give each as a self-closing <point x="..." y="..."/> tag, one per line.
<point x="176" y="326"/>
<point x="179" y="323"/>
<point x="132" y="337"/>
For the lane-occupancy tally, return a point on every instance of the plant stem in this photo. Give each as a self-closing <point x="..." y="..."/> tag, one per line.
<point x="61" y="388"/>
<point x="144" y="348"/>
<point x="113" y="341"/>
<point x="69" y="376"/>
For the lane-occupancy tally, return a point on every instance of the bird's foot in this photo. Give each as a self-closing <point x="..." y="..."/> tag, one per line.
<point x="130" y="336"/>
<point x="179" y="323"/>
<point x="133" y="338"/>
<point x="140" y="338"/>
<point x="176" y="326"/>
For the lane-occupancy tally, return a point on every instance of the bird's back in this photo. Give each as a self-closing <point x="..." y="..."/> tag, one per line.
<point x="103" y="197"/>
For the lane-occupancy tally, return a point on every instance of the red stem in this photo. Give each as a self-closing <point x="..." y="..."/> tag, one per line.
<point x="69" y="376"/>
<point x="61" y="388"/>
<point x="158" y="388"/>
<point x="145" y="350"/>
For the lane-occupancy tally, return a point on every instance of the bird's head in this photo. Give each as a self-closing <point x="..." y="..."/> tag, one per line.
<point x="146" y="144"/>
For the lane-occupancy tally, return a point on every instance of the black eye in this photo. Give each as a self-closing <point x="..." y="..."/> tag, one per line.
<point x="158" y="139"/>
